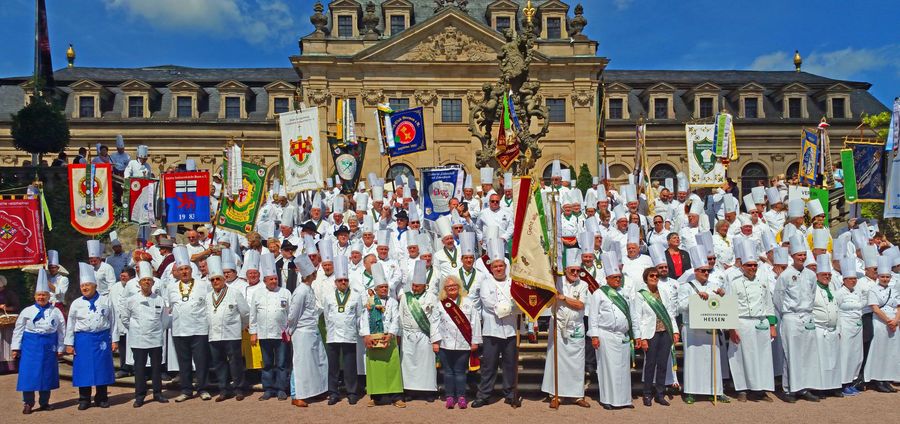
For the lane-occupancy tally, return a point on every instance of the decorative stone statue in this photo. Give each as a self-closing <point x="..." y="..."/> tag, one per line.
<point x="577" y="24"/>
<point x="318" y="19"/>
<point x="370" y="21"/>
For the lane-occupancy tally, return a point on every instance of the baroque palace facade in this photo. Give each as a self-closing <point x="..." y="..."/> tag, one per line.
<point x="438" y="55"/>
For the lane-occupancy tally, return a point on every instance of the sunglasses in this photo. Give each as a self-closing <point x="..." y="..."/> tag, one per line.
<point x="750" y="265"/>
<point x="702" y="271"/>
<point x="495" y="201"/>
<point x="653" y="276"/>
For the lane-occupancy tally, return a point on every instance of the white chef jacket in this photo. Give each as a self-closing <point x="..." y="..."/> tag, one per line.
<point x="269" y="312"/>
<point x="146" y="318"/>
<point x="189" y="318"/>
<point x="82" y="319"/>
<point x="52" y="322"/>
<point x="228" y="319"/>
<point x="347" y="326"/>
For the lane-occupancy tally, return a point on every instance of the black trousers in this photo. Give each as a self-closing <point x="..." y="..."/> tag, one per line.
<point x="656" y="362"/>
<point x="867" y="332"/>
<point x="140" y="371"/>
<point x="84" y="394"/>
<point x="505" y="354"/>
<point x="228" y="364"/>
<point x="43" y="398"/>
<point x="342" y="354"/>
<point x="188" y="349"/>
<point x="590" y="354"/>
<point x="122" y="348"/>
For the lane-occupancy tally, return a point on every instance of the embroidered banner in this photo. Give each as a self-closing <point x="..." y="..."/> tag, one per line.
<point x="90" y="198"/>
<point x="300" y="150"/>
<point x="21" y="233"/>
<point x="868" y="159"/>
<point x="348" y="160"/>
<point x="809" y="158"/>
<point x="704" y="167"/>
<point x="187" y="197"/>
<point x="408" y="132"/>
<point x="533" y="284"/>
<point x="142" y="199"/>
<point x="440" y="185"/>
<point x="239" y="214"/>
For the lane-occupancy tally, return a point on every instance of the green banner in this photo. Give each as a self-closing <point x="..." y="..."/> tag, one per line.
<point x="850" y="193"/>
<point x="238" y="213"/>
<point x="821" y="195"/>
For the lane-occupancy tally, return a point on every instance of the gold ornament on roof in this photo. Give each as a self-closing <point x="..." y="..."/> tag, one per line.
<point x="529" y="12"/>
<point x="797" y="60"/>
<point x="70" y="56"/>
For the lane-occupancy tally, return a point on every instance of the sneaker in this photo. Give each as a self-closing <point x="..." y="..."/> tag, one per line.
<point x="205" y="396"/>
<point x="451" y="402"/>
<point x="400" y="404"/>
<point x="182" y="397"/>
<point x="461" y="402"/>
<point x="370" y="403"/>
<point x="689" y="399"/>
<point x="723" y="399"/>
<point x="848" y="391"/>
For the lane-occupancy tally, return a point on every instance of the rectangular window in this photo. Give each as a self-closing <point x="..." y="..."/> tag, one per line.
<point x="661" y="108"/>
<point x="398" y="24"/>
<point x="557" y="109"/>
<point x="554" y="28"/>
<point x="615" y="109"/>
<point x="281" y="104"/>
<point x="345" y="26"/>
<point x="399" y="104"/>
<point x="86" y="107"/>
<point x="184" y="107"/>
<point x="706" y="107"/>
<point x="451" y="110"/>
<point x="502" y="24"/>
<point x="232" y="108"/>
<point x="795" y="108"/>
<point x="838" y="108"/>
<point x="135" y="106"/>
<point x="751" y="107"/>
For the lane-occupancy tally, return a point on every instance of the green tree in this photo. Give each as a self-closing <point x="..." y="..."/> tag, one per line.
<point x="585" y="179"/>
<point x="39" y="128"/>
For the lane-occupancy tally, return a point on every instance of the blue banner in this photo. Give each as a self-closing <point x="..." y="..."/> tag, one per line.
<point x="409" y="132"/>
<point x="892" y="197"/>
<point x="809" y="159"/>
<point x="439" y="185"/>
<point x="868" y="159"/>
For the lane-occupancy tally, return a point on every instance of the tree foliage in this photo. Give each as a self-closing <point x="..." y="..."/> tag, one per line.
<point x="879" y="123"/>
<point x="40" y="128"/>
<point x="585" y="179"/>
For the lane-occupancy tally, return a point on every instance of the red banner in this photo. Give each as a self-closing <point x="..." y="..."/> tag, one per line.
<point x="533" y="283"/>
<point x="21" y="233"/>
<point x="90" y="198"/>
<point x="141" y="200"/>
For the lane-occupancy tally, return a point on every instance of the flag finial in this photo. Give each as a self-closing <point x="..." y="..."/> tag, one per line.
<point x="70" y="56"/>
<point x="797" y="60"/>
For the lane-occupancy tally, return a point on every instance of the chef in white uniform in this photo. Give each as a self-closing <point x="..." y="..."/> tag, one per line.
<point x="310" y="361"/>
<point x="228" y="315"/>
<point x="268" y="324"/>
<point x="146" y="317"/>
<point x="190" y="325"/>
<point x="611" y="334"/>
<point x="850" y="305"/>
<point x="882" y="366"/>
<point x="343" y="310"/>
<point x="420" y="318"/>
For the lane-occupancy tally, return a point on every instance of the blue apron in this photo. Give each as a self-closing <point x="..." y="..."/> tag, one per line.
<point x="38" y="367"/>
<point x="93" y="365"/>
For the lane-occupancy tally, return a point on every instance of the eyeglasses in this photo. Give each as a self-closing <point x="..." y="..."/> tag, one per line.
<point x="653" y="276"/>
<point x="495" y="201"/>
<point x="657" y="222"/>
<point x="703" y="271"/>
<point x="750" y="265"/>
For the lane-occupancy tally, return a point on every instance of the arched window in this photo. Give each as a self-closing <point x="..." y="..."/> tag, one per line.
<point x="792" y="170"/>
<point x="661" y="172"/>
<point x="752" y="174"/>
<point x="398" y="169"/>
<point x="549" y="170"/>
<point x="618" y="174"/>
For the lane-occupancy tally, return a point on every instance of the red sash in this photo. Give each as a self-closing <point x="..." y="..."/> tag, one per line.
<point x="569" y="241"/>
<point x="465" y="327"/>
<point x="589" y="279"/>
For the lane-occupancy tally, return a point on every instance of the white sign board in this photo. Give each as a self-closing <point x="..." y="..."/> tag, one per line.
<point x="715" y="313"/>
<point x="798" y="192"/>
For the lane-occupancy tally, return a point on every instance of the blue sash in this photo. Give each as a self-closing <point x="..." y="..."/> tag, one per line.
<point x="38" y="368"/>
<point x="93" y="365"/>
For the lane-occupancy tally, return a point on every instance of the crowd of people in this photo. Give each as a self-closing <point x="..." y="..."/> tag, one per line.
<point x="335" y="296"/>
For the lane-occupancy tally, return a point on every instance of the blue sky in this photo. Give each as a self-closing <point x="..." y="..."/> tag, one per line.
<point x="846" y="40"/>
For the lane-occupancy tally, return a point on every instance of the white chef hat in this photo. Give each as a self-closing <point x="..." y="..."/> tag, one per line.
<point x="744" y="219"/>
<point x="120" y="141"/>
<point x="669" y="184"/>
<point x="412" y="237"/>
<point x="305" y="266"/>
<point x="368" y="224"/>
<point x="251" y="261"/>
<point x="634" y="234"/>
<point x="214" y="267"/>
<point x="565" y="174"/>
<point x="748" y="251"/>
<point x="444" y="228"/>
<point x="683" y="185"/>
<point x="507" y="181"/>
<point x="267" y="265"/>
<point x="86" y="274"/>
<point x="620" y="212"/>
<point x="555" y="169"/>
<point x="658" y="254"/>
<point x="288" y="217"/>
<point x="228" y="260"/>
<point x="595" y="180"/>
<point x="144" y="270"/>
<point x="705" y="238"/>
<point x="94" y="250"/>
<point x="468" y="181"/>
<point x="767" y="240"/>
<point x="143" y="151"/>
<point x="729" y="203"/>
<point x="377" y="193"/>
<point x="42" y="284"/>
<point x="413" y="212"/>
<point x="884" y="265"/>
<point x="592" y="225"/>
<point x="601" y="193"/>
<point x="337" y="205"/>
<point x="870" y="256"/>
<point x="773" y="195"/>
<point x="823" y="264"/>
<point x="795" y="208"/>
<point x="860" y="237"/>
<point x="487" y="175"/>
<point x="52" y="258"/>
<point x="696" y="207"/>
<point x="573" y="258"/>
<point x="378" y="277"/>
<point x="362" y="202"/>
<point x="815" y="208"/>
<point x="629" y="193"/>
<point x="426" y="244"/>
<point x="820" y="238"/>
<point x="839" y="247"/>
<point x="586" y="241"/>
<point x="759" y="194"/>
<point x="467" y="244"/>
<point x="848" y="267"/>
<point x="356" y="245"/>
<point x="309" y="245"/>
<point x="340" y="267"/>
<point x="383" y="238"/>
<point x="181" y="256"/>
<point x="611" y="265"/>
<point x="749" y="204"/>
<point x="496" y="249"/>
<point x="798" y="245"/>
<point x="190" y="165"/>
<point x="698" y="256"/>
<point x="326" y="249"/>
<point x="329" y="182"/>
<point x="420" y="273"/>
<point x="781" y="256"/>
<point x="590" y="199"/>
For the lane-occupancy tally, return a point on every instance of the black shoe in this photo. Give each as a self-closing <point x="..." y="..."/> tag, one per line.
<point x="83" y="405"/>
<point x="882" y="387"/>
<point x="47" y="407"/>
<point x="27" y="409"/>
<point x="660" y="399"/>
<point x="266" y="396"/>
<point x="515" y="402"/>
<point x="122" y="374"/>
<point x="789" y="398"/>
<point x="160" y="399"/>
<point x="606" y="407"/>
<point x="104" y="404"/>
<point x="838" y="393"/>
<point x="353" y="400"/>
<point x="648" y="401"/>
<point x="138" y="403"/>
<point x="478" y="403"/>
<point x="889" y="387"/>
<point x="332" y="400"/>
<point x="808" y="396"/>
<point x="284" y="396"/>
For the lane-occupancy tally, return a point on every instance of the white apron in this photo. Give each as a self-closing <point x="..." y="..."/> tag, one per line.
<point x="310" y="363"/>
<point x="417" y="362"/>
<point x="851" y="347"/>
<point x="829" y="344"/>
<point x="884" y="352"/>
<point x="570" y="362"/>
<point x="614" y="368"/>
<point x="698" y="367"/>
<point x="798" y="336"/>
<point x="750" y="360"/>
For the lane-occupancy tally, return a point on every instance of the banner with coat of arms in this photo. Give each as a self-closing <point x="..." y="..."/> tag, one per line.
<point x="809" y="158"/>
<point x="869" y="162"/>
<point x="21" y="233"/>
<point x="440" y="185"/>
<point x="90" y="198"/>
<point x="300" y="143"/>
<point x="705" y="168"/>
<point x="187" y="197"/>
<point x="348" y="160"/>
<point x="533" y="285"/>
<point x="408" y="128"/>
<point x="142" y="199"/>
<point x="238" y="214"/>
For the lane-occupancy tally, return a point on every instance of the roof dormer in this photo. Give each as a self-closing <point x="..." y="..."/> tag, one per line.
<point x="233" y="96"/>
<point x="705" y="98"/>
<point x="186" y="97"/>
<point x="398" y="16"/>
<point x="501" y="14"/>
<point x="345" y="16"/>
<point x="136" y="98"/>
<point x="554" y="20"/>
<point x="837" y="101"/>
<point x="281" y="95"/>
<point x="793" y="101"/>
<point x="90" y="99"/>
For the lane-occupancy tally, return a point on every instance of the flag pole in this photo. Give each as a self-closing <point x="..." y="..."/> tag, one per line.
<point x="554" y="404"/>
<point x="715" y="396"/>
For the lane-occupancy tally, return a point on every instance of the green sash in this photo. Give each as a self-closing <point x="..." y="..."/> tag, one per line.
<point x="467" y="284"/>
<point x="620" y="303"/>
<point x="660" y="310"/>
<point x="412" y="301"/>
